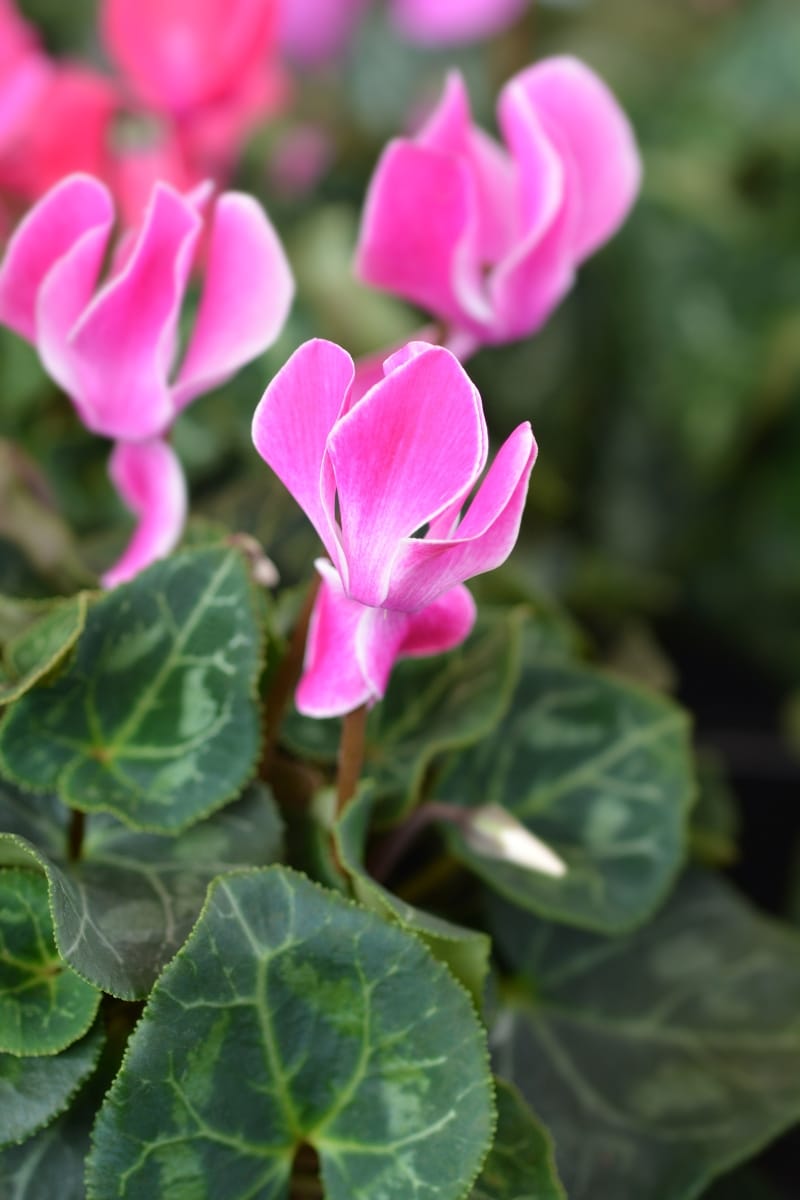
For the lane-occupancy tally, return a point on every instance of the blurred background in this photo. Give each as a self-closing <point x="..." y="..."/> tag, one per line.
<point x="664" y="513"/>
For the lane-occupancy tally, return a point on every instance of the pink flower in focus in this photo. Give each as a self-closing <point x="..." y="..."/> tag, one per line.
<point x="111" y="345"/>
<point x="209" y="65"/>
<point x="383" y="480"/>
<point x="487" y="237"/>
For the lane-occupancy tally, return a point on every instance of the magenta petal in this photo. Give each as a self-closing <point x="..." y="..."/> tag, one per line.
<point x="443" y="22"/>
<point x="247" y="294"/>
<point x="73" y="208"/>
<point x="63" y="297"/>
<point x="440" y="626"/>
<point x="381" y="632"/>
<point x="427" y="568"/>
<point x="332" y="682"/>
<point x="149" y="478"/>
<point x="418" y="233"/>
<point x="123" y="345"/>
<point x="587" y="124"/>
<point x="291" y="426"/>
<point x="414" y="443"/>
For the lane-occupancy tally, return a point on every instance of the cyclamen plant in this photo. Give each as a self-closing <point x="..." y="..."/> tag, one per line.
<point x="363" y="885"/>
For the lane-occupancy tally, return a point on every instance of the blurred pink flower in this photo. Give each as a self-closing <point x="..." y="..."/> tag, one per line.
<point x="443" y="22"/>
<point x="111" y="346"/>
<point x="209" y="65"/>
<point x="488" y="237"/>
<point x="371" y="474"/>
<point x="314" y="32"/>
<point x="66" y="127"/>
<point x="55" y="118"/>
<point x="299" y="159"/>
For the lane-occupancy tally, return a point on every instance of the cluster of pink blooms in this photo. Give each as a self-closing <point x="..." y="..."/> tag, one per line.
<point x="387" y="459"/>
<point x="190" y="80"/>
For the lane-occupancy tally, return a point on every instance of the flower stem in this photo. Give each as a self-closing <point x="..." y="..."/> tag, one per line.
<point x="351" y="755"/>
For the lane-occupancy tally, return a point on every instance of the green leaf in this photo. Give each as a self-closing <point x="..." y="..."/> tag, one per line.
<point x="521" y="1163"/>
<point x="124" y="908"/>
<point x="33" y="1091"/>
<point x="660" y="1059"/>
<point x="601" y="772"/>
<point x="293" y="1016"/>
<point x="50" y="1165"/>
<point x="36" y="635"/>
<point x="432" y="705"/>
<point x="156" y="719"/>
<point x="44" y="1006"/>
<point x="465" y="951"/>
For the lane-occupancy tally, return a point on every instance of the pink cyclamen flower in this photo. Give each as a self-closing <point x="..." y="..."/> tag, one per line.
<point x="383" y="480"/>
<point x="487" y="237"/>
<point x="210" y="65"/>
<point x="314" y="32"/>
<point x="111" y="345"/>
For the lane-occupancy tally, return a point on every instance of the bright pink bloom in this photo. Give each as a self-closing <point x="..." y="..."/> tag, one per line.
<point x="488" y="238"/>
<point x="111" y="345"/>
<point x="208" y="64"/>
<point x="383" y="479"/>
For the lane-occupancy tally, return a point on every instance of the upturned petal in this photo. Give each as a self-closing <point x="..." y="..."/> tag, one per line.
<point x="247" y="292"/>
<point x="122" y="346"/>
<point x="419" y="232"/>
<point x="426" y="568"/>
<point x="493" y="174"/>
<point x="588" y="126"/>
<point x="76" y="207"/>
<point x="292" y="423"/>
<point x="149" y="478"/>
<point x="414" y="443"/>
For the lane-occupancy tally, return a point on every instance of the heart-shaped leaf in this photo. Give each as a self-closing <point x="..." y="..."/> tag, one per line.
<point x="599" y="770"/>
<point x="294" y="1017"/>
<point x="156" y="718"/>
<point x="662" y="1058"/>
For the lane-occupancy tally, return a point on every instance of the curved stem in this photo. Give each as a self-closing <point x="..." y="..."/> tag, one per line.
<point x="351" y="755"/>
